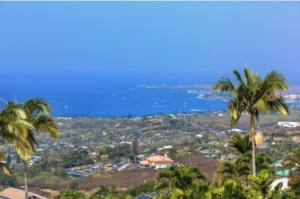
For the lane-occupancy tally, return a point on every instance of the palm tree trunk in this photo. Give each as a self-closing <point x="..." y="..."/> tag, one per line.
<point x="25" y="178"/>
<point x="252" y="124"/>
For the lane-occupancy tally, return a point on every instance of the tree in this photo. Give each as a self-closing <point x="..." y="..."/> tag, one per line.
<point x="292" y="161"/>
<point x="105" y="193"/>
<point x="14" y="127"/>
<point x="261" y="183"/>
<point x="230" y="190"/>
<point x="180" y="180"/>
<point x="242" y="143"/>
<point x="70" y="194"/>
<point x="254" y="95"/>
<point x="8" y="180"/>
<point x="74" y="185"/>
<point x="173" y="153"/>
<point x="135" y="149"/>
<point x="38" y="113"/>
<point x="127" y="151"/>
<point x="234" y="170"/>
<point x="8" y="160"/>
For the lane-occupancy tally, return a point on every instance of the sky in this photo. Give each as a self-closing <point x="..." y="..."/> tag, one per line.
<point x="101" y="43"/>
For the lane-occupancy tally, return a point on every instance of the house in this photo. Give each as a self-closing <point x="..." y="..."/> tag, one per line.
<point x="289" y="124"/>
<point x="210" y="152"/>
<point x="213" y="143"/>
<point x="228" y="157"/>
<point x="13" y="193"/>
<point x="164" y="147"/>
<point x="157" y="161"/>
<point x="278" y="164"/>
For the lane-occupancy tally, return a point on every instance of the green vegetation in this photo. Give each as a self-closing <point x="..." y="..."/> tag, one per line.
<point x="254" y="95"/>
<point x="19" y="122"/>
<point x="76" y="158"/>
<point x="147" y="187"/>
<point x="85" y="141"/>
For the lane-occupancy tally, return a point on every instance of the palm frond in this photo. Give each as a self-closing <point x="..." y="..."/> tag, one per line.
<point x="45" y="123"/>
<point x="278" y="105"/>
<point x="38" y="105"/>
<point x="224" y="85"/>
<point x="238" y="76"/>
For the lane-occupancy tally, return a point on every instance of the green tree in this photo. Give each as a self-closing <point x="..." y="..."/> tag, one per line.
<point x="230" y="190"/>
<point x="38" y="113"/>
<point x="105" y="193"/>
<point x="180" y="180"/>
<point x="173" y="153"/>
<point x="135" y="149"/>
<point x="292" y="161"/>
<point x="14" y="129"/>
<point x="70" y="194"/>
<point x="8" y="160"/>
<point x="242" y="143"/>
<point x="74" y="185"/>
<point x="8" y="180"/>
<point x="234" y="170"/>
<point x="254" y="95"/>
<point x="261" y="183"/>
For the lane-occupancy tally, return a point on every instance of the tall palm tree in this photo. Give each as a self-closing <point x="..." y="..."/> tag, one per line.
<point x="38" y="114"/>
<point x="254" y="95"/>
<point x="14" y="129"/>
<point x="242" y="143"/>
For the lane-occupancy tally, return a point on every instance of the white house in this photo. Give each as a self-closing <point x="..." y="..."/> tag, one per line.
<point x="157" y="161"/>
<point x="289" y="124"/>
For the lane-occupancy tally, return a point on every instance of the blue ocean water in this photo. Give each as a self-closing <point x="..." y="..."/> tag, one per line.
<point x="134" y="100"/>
<point x="115" y="100"/>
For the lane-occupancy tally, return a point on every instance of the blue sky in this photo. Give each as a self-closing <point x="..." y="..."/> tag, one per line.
<point x="51" y="43"/>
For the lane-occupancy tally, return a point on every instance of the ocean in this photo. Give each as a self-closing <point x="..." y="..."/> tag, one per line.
<point x="113" y="100"/>
<point x="137" y="101"/>
<point x="116" y="100"/>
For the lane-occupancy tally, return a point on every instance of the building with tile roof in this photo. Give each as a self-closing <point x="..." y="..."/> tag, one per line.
<point x="157" y="161"/>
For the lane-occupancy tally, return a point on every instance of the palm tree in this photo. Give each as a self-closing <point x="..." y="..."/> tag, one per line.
<point x="254" y="95"/>
<point x="292" y="161"/>
<point x="13" y="129"/>
<point x="262" y="161"/>
<point x="234" y="170"/>
<point x="180" y="179"/>
<point x="261" y="183"/>
<point x="37" y="112"/>
<point x="230" y="190"/>
<point x="242" y="143"/>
